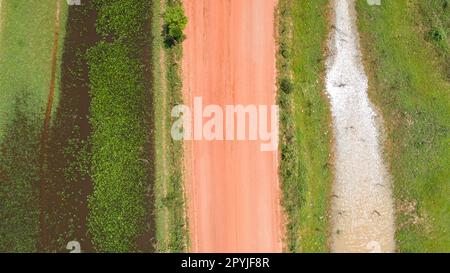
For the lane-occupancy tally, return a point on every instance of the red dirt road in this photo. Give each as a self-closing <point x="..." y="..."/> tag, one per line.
<point x="232" y="187"/>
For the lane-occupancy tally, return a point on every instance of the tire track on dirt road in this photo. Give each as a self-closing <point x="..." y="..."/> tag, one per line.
<point x="362" y="207"/>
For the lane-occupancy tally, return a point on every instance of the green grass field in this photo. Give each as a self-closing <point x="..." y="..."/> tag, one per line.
<point x="406" y="47"/>
<point x="25" y="52"/>
<point x="305" y="138"/>
<point x="25" y="70"/>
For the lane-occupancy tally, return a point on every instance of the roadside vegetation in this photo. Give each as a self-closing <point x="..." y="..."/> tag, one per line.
<point x="305" y="139"/>
<point x="26" y="44"/>
<point x="167" y="35"/>
<point x="435" y="24"/>
<point x="406" y="49"/>
<point x="120" y="118"/>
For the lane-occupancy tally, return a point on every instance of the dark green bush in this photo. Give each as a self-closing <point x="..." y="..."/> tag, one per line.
<point x="174" y="23"/>
<point x="286" y="85"/>
<point x="437" y="34"/>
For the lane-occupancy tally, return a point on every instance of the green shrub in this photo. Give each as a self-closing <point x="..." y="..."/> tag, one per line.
<point x="437" y="34"/>
<point x="174" y="23"/>
<point x="286" y="86"/>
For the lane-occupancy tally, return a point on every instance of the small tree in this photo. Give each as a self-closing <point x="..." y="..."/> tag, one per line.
<point x="175" y="22"/>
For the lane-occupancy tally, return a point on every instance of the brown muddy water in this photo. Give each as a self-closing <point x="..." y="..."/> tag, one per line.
<point x="362" y="206"/>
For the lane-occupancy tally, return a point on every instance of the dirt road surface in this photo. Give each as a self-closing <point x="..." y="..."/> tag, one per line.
<point x="232" y="187"/>
<point x="362" y="209"/>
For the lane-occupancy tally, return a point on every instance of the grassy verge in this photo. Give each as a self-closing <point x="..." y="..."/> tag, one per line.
<point x="408" y="71"/>
<point x="25" y="71"/>
<point x="119" y="113"/>
<point x="436" y="27"/>
<point x="304" y="119"/>
<point x="171" y="230"/>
